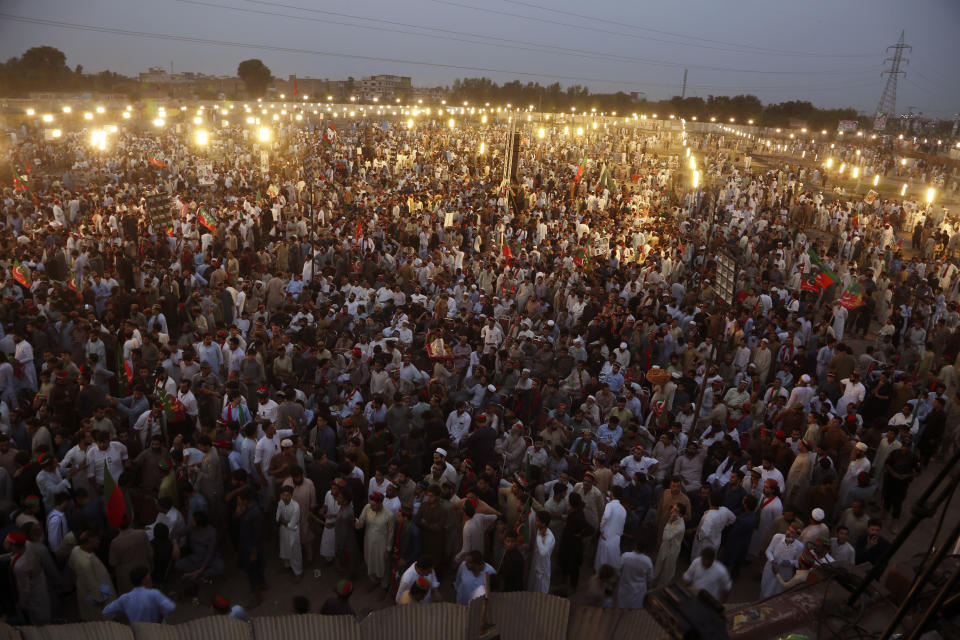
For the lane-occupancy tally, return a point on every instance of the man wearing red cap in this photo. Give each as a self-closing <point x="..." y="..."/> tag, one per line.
<point x="783" y="552"/>
<point x="33" y="595"/>
<point x="377" y="539"/>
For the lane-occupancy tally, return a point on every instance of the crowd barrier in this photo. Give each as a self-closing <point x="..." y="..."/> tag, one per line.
<point x="509" y="616"/>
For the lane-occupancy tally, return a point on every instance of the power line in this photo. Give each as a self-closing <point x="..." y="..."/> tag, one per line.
<point x="528" y="46"/>
<point x="605" y="31"/>
<point x="279" y="49"/>
<point x="688" y="37"/>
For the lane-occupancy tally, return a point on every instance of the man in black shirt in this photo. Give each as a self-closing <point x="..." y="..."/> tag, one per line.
<point x="871" y="545"/>
<point x="511" y="565"/>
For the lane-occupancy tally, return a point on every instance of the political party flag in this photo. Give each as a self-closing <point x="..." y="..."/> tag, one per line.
<point x="206" y="219"/>
<point x="826" y="277"/>
<point x="581" y="258"/>
<point x="852" y="297"/>
<point x="580" y="170"/>
<point x="156" y="162"/>
<point x="74" y="284"/>
<point x="507" y="252"/>
<point x="20" y="275"/>
<point x="605" y="181"/>
<point x="808" y="282"/>
<point x="116" y="506"/>
<point x="166" y="401"/>
<point x="330" y="136"/>
<point x="359" y="229"/>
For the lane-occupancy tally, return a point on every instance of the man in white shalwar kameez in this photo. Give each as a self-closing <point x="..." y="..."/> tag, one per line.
<point x="330" y="510"/>
<point x="611" y="528"/>
<point x="636" y="574"/>
<point x="769" y="509"/>
<point x="712" y="523"/>
<point x="377" y="539"/>
<point x="541" y="548"/>
<point x="783" y="551"/>
<point x="288" y="515"/>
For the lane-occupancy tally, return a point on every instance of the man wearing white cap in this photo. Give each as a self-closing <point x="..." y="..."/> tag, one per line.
<point x="859" y="463"/>
<point x="802" y="394"/>
<point x="816" y="528"/>
<point x="449" y="473"/>
<point x="622" y="354"/>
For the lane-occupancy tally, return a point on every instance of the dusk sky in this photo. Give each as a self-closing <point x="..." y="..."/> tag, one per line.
<point x="827" y="51"/>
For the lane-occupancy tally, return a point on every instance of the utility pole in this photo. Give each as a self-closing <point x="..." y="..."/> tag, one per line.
<point x="887" y="107"/>
<point x="683" y="90"/>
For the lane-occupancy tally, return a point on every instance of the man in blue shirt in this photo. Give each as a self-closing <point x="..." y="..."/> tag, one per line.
<point x="143" y="604"/>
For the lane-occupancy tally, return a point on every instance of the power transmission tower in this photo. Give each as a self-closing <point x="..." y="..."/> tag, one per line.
<point x="888" y="101"/>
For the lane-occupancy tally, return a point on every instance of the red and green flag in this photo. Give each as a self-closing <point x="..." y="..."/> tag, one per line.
<point x="20" y="275"/>
<point x="329" y="136"/>
<point x="808" y="282"/>
<point x="580" y="169"/>
<point x="826" y="277"/>
<point x="581" y="258"/>
<point x="116" y="506"/>
<point x="157" y="162"/>
<point x="206" y="219"/>
<point x="74" y="284"/>
<point x="852" y="297"/>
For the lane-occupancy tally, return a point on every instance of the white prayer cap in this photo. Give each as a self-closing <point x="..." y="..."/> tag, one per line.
<point x="818" y="514"/>
<point x="286" y="442"/>
<point x="442" y="452"/>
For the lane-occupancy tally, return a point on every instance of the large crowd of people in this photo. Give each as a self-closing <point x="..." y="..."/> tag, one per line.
<point x="361" y="348"/>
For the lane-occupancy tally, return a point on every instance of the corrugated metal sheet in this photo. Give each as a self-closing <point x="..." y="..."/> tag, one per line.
<point x="593" y="623"/>
<point x="82" y="631"/>
<point x="637" y="623"/>
<point x="528" y="616"/>
<point x="304" y="627"/>
<point x="9" y="633"/>
<point x="417" y="622"/>
<point x="476" y="612"/>
<point x="209" y="628"/>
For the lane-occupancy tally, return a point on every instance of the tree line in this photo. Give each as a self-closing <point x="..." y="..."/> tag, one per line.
<point x="45" y="68"/>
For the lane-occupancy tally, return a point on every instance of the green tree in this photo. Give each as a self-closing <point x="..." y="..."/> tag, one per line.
<point x="43" y="68"/>
<point x="255" y="75"/>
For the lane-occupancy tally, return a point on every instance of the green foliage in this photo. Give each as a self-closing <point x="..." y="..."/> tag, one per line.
<point x="256" y="77"/>
<point x="554" y="98"/>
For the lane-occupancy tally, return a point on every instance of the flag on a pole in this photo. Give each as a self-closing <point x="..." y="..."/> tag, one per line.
<point x="330" y="136"/>
<point x="826" y="277"/>
<point x="605" y="181"/>
<point x="116" y="506"/>
<point x="20" y="275"/>
<point x="580" y="170"/>
<point x="156" y="162"/>
<point x="124" y="375"/>
<point x="852" y="297"/>
<point x="206" y="219"/>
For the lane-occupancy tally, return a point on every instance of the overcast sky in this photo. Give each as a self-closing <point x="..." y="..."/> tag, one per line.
<point x="827" y="51"/>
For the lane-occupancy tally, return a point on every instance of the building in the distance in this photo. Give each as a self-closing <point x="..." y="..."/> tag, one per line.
<point x="384" y="87"/>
